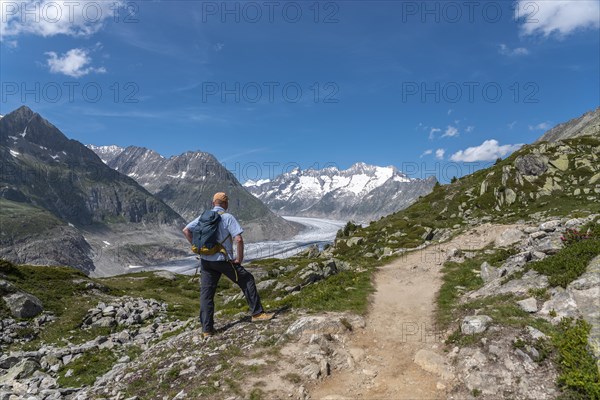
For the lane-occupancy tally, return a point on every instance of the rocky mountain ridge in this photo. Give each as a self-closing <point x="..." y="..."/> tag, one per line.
<point x="586" y="125"/>
<point x="361" y="193"/>
<point x="187" y="182"/>
<point x="61" y="203"/>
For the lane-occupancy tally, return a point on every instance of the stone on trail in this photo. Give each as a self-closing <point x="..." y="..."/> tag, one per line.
<point x="475" y="324"/>
<point x="434" y="363"/>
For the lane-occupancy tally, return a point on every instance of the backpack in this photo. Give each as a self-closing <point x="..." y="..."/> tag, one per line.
<point x="205" y="235"/>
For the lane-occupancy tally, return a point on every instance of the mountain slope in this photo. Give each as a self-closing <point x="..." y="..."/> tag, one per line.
<point x="587" y="124"/>
<point x="361" y="192"/>
<point x="187" y="183"/>
<point x="72" y="191"/>
<point x="538" y="182"/>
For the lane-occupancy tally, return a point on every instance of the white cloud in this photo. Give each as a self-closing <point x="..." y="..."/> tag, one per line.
<point x="75" y="63"/>
<point x="507" y="51"/>
<point x="426" y="153"/>
<point x="450" y="111"/>
<point x="451" y="131"/>
<point x="557" y="16"/>
<point x="512" y="124"/>
<point x="55" y="17"/>
<point x="544" y="126"/>
<point x="469" y="129"/>
<point x="490" y="150"/>
<point x="11" y="44"/>
<point x="439" y="154"/>
<point x="219" y="46"/>
<point x="432" y="132"/>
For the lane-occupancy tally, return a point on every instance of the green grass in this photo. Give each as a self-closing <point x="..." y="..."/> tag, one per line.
<point x="61" y="296"/>
<point x="569" y="263"/>
<point x="579" y="376"/>
<point x="21" y="219"/>
<point x="460" y="277"/>
<point x="90" y="366"/>
<point x="345" y="291"/>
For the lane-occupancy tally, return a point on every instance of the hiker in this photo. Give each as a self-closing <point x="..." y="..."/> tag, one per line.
<point x="222" y="261"/>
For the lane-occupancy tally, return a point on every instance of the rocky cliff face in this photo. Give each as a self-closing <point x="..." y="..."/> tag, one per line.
<point x="362" y="192"/>
<point x="54" y="190"/>
<point x="42" y="167"/>
<point x="586" y="125"/>
<point x="187" y="183"/>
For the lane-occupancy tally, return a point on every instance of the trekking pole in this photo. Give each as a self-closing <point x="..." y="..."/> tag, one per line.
<point x="198" y="267"/>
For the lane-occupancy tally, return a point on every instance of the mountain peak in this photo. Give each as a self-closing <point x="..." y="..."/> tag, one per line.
<point x="587" y="124"/>
<point x="21" y="115"/>
<point x="362" y="191"/>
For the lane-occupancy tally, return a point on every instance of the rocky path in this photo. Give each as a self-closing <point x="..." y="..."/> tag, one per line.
<point x="400" y="327"/>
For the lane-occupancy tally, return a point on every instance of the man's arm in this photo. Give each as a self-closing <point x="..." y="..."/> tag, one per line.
<point x="239" y="244"/>
<point x="188" y="234"/>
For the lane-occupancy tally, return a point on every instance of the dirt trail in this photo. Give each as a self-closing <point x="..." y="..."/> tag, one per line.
<point x="400" y="323"/>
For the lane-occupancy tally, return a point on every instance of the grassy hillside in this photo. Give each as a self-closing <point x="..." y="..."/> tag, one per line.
<point x="22" y="219"/>
<point x="538" y="181"/>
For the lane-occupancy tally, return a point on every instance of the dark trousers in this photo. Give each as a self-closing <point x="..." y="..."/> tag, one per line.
<point x="210" y="274"/>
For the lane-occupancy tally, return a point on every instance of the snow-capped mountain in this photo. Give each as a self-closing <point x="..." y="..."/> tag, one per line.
<point x="106" y="153"/>
<point x="361" y="192"/>
<point x="187" y="182"/>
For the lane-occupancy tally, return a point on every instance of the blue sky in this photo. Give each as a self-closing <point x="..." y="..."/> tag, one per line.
<point x="267" y="86"/>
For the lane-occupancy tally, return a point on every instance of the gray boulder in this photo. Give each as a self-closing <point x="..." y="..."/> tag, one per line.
<point x="531" y="164"/>
<point x="548" y="245"/>
<point x="561" y="305"/>
<point x="332" y="323"/>
<point x="509" y="237"/>
<point x="23" y="305"/>
<point x="105" y="322"/>
<point x="23" y="369"/>
<point x="550" y="226"/>
<point x="264" y="285"/>
<point x="356" y="240"/>
<point x="475" y="324"/>
<point x="488" y="273"/>
<point x="6" y="287"/>
<point x="528" y="305"/>
<point x="434" y="363"/>
<point x="575" y="222"/>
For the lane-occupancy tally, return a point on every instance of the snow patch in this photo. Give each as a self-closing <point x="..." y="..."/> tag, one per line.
<point x="24" y="133"/>
<point x="14" y="153"/>
<point x="106" y="243"/>
<point x="251" y="183"/>
<point x="180" y="175"/>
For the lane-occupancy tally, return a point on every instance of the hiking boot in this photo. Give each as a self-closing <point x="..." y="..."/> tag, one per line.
<point x="209" y="334"/>
<point x="262" y="317"/>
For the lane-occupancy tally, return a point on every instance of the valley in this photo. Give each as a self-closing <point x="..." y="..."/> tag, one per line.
<point x="315" y="232"/>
